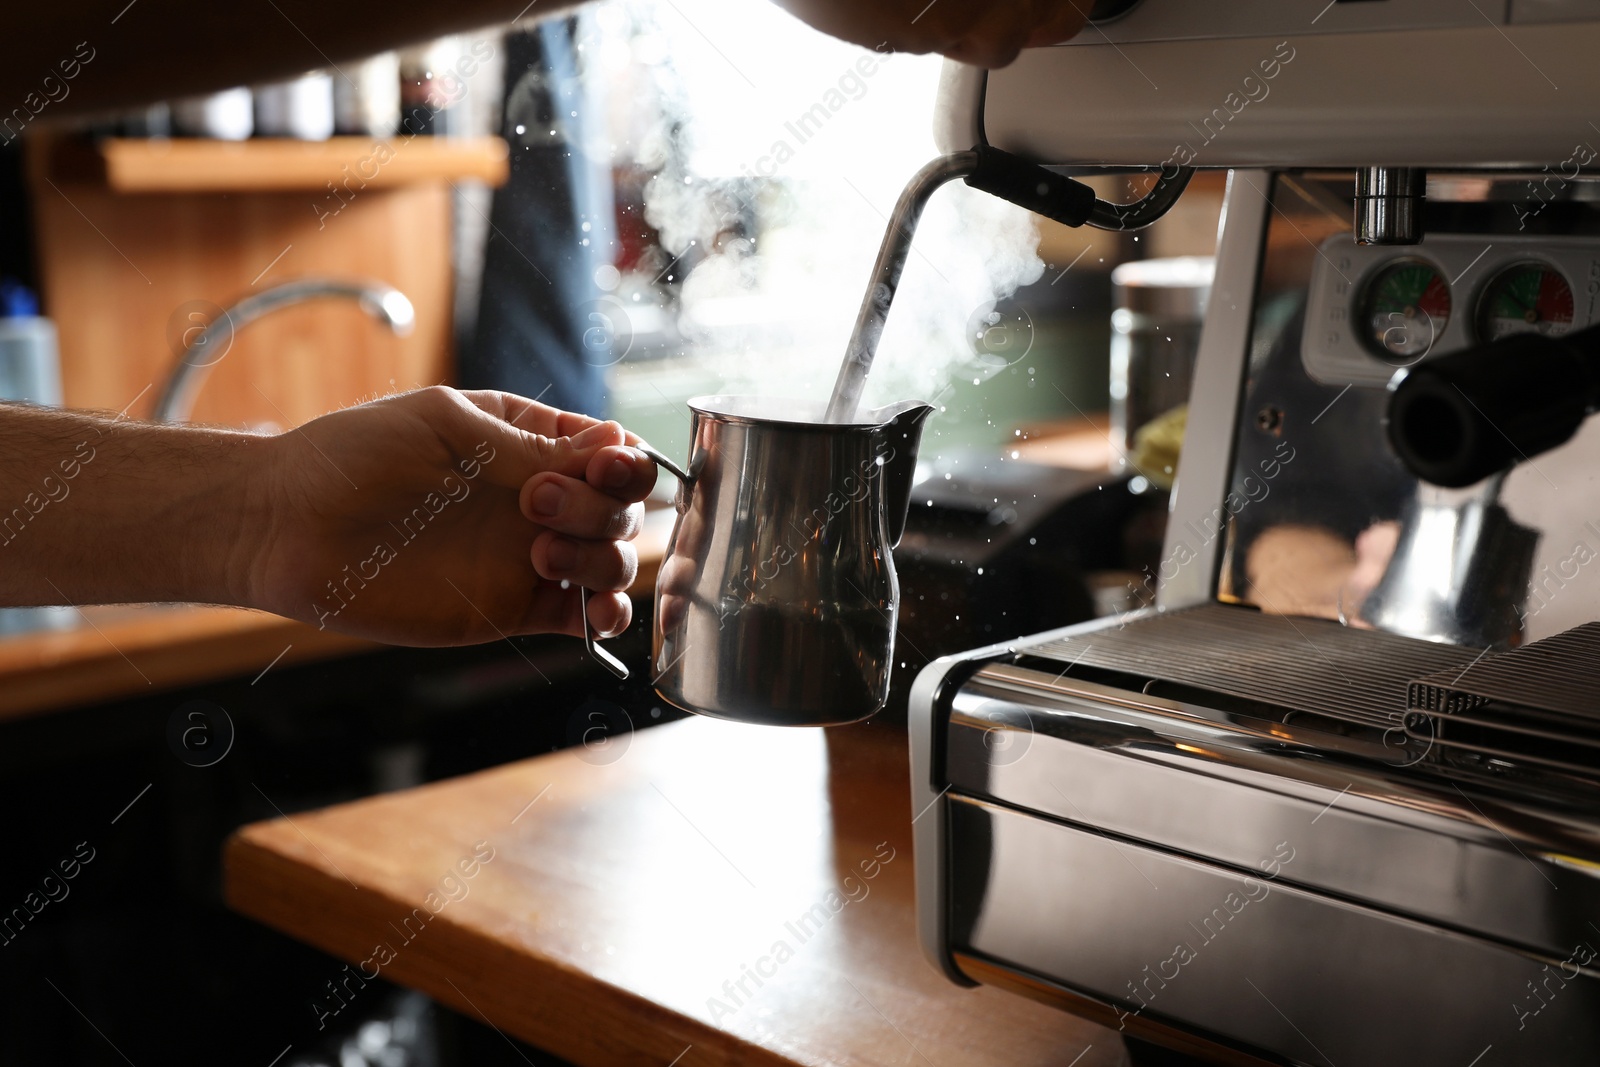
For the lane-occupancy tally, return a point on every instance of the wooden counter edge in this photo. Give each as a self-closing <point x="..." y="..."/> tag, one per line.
<point x="583" y="1019"/>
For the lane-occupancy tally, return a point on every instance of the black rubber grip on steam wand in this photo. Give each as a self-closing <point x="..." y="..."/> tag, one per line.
<point x="1457" y="419"/>
<point x="1028" y="185"/>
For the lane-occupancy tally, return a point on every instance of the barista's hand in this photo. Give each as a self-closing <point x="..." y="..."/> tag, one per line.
<point x="985" y="33"/>
<point x="440" y="517"/>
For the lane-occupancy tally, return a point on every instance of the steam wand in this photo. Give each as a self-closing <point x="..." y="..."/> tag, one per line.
<point x="1001" y="174"/>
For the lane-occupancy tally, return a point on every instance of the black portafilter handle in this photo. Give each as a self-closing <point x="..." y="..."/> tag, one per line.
<point x="1458" y="419"/>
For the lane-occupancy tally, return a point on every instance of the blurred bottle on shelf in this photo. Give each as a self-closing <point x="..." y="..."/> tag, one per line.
<point x="1160" y="304"/>
<point x="152" y="121"/>
<point x="429" y="89"/>
<point x="301" y="108"/>
<point x="30" y="372"/>
<point x="30" y="369"/>
<point x="366" y="102"/>
<point x="224" y="116"/>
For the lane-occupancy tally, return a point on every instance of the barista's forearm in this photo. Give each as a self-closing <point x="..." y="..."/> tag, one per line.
<point x="95" y="509"/>
<point x="162" y="49"/>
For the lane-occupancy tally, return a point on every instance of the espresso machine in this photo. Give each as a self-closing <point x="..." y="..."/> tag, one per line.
<point x="1331" y="795"/>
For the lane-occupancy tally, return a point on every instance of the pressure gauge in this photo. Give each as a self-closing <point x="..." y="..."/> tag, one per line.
<point x="1525" y="298"/>
<point x="1404" y="310"/>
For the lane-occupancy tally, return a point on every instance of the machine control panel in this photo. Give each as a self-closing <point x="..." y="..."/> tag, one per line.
<point x="1352" y="83"/>
<point x="1178" y="20"/>
<point x="1525" y="11"/>
<point x="1374" y="310"/>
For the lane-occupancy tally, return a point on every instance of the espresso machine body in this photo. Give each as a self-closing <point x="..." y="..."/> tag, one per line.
<point x="1333" y="795"/>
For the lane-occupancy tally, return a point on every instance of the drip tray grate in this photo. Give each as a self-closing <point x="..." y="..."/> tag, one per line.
<point x="1559" y="675"/>
<point x="1540" y="702"/>
<point x="1299" y="664"/>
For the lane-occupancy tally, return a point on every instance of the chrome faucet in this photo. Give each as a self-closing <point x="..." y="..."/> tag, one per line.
<point x="383" y="302"/>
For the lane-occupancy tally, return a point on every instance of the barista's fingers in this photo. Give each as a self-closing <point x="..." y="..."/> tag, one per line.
<point x="989" y="50"/>
<point x="609" y="614"/>
<point x="608" y="566"/>
<point x="673" y="586"/>
<point x="554" y="610"/>
<point x="624" y="472"/>
<point x="1061" y="21"/>
<point x="574" y="507"/>
<point x="670" y="610"/>
<point x="1001" y="31"/>
<point x="677" y="575"/>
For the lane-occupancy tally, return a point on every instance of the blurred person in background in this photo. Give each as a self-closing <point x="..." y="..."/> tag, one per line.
<point x="541" y="329"/>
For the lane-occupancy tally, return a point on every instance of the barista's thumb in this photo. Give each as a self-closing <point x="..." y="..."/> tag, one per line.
<point x="525" y="454"/>
<point x="571" y="455"/>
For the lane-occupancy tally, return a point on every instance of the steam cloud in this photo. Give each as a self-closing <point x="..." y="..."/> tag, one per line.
<point x="771" y="310"/>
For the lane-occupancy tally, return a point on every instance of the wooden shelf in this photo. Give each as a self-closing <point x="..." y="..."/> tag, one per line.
<point x="184" y="165"/>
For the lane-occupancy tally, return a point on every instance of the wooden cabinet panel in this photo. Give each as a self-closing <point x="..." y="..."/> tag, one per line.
<point x="121" y="273"/>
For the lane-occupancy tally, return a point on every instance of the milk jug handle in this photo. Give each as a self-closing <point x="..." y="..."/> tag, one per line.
<point x="662" y="461"/>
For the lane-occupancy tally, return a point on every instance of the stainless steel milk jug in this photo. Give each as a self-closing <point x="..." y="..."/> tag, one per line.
<point x="777" y="600"/>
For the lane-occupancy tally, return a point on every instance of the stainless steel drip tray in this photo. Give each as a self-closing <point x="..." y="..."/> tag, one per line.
<point x="1168" y="940"/>
<point x="1230" y="790"/>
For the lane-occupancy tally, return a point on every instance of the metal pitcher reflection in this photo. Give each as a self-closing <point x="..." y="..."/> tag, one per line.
<point x="777" y="600"/>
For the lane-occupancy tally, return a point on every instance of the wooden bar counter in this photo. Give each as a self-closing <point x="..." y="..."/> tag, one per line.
<point x="701" y="893"/>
